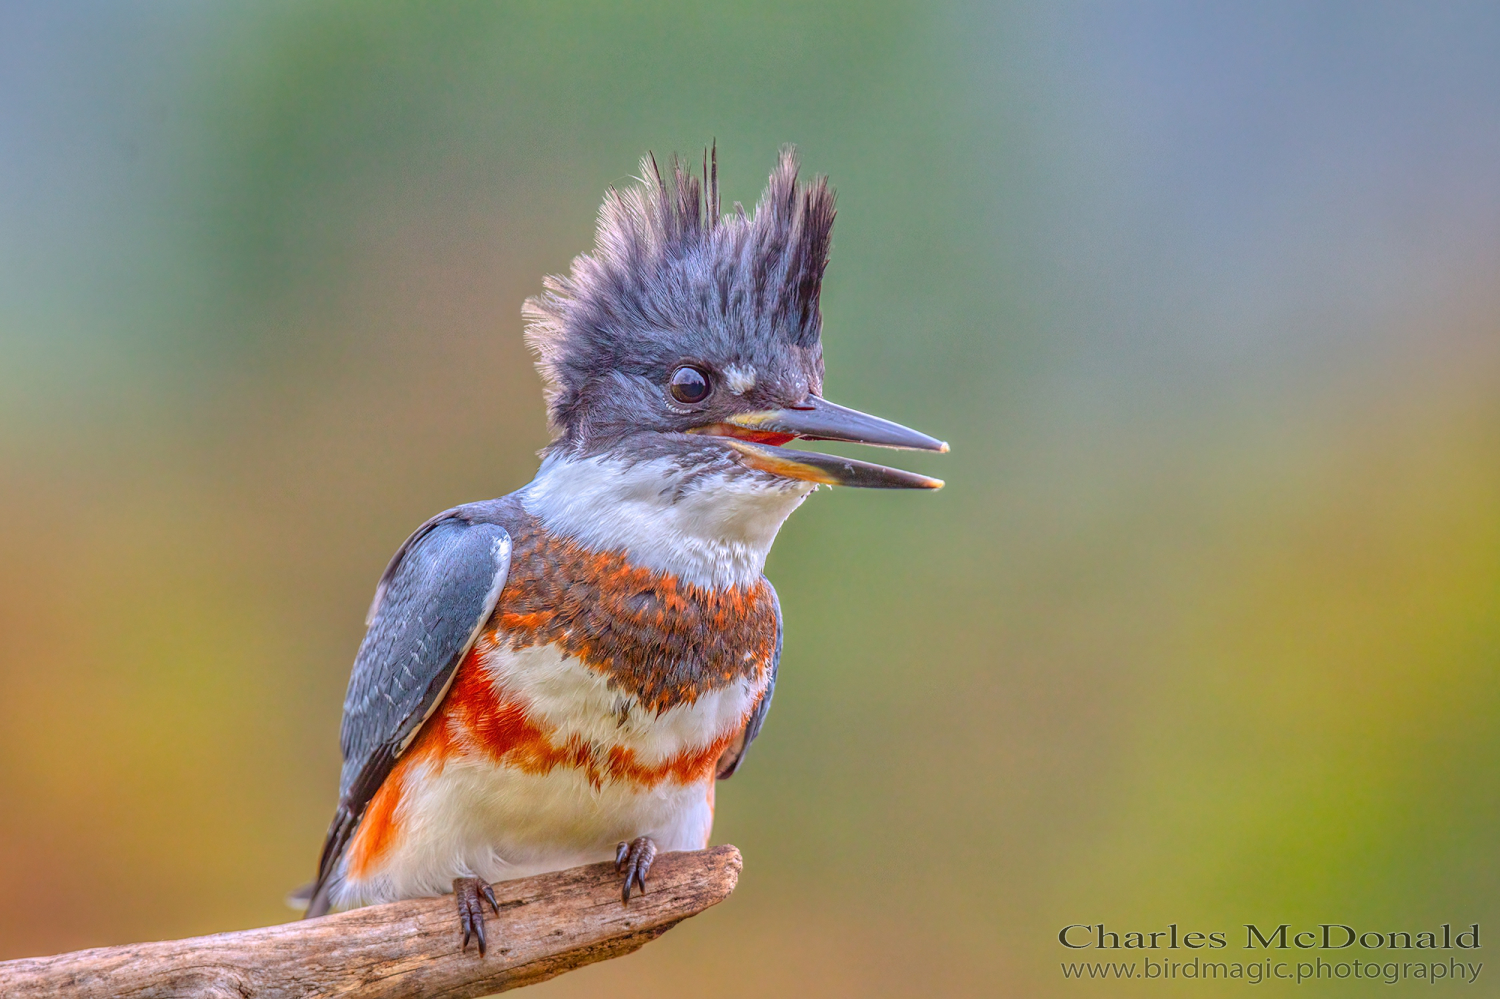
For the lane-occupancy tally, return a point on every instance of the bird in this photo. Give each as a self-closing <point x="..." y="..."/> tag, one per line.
<point x="561" y="675"/>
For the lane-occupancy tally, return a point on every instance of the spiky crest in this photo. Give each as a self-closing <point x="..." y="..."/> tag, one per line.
<point x="671" y="277"/>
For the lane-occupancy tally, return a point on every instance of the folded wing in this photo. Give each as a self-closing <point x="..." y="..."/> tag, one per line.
<point x="433" y="600"/>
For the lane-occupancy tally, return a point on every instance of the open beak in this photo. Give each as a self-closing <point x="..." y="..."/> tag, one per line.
<point x="758" y="438"/>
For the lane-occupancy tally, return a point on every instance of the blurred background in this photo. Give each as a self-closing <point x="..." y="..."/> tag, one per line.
<point x="1203" y="630"/>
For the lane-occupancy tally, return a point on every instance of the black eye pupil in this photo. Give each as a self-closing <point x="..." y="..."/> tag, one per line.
<point x="689" y="384"/>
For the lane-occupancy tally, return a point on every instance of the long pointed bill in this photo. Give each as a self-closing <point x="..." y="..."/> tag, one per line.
<point x="821" y="420"/>
<point x="758" y="436"/>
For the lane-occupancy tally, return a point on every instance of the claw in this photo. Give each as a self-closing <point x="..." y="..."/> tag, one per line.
<point x="634" y="858"/>
<point x="471" y="894"/>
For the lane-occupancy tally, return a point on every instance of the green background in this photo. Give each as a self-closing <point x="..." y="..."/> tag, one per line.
<point x="1203" y="630"/>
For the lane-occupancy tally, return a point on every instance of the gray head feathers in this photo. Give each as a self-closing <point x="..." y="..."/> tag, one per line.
<point x="671" y="280"/>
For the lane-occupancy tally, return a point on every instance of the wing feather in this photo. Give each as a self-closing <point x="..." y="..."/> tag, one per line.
<point x="432" y="601"/>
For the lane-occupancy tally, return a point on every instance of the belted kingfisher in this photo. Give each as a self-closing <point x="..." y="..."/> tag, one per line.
<point x="558" y="676"/>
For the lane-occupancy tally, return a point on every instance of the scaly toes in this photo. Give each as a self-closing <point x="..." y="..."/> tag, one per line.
<point x="634" y="859"/>
<point x="471" y="894"/>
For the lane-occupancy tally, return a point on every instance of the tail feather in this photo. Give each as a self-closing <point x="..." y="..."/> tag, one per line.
<point x="299" y="898"/>
<point x="319" y="903"/>
<point x="339" y="833"/>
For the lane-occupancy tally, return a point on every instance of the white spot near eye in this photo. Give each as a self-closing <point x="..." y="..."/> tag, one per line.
<point x="739" y="380"/>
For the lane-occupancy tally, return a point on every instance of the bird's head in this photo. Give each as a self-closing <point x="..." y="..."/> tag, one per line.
<point x="693" y="336"/>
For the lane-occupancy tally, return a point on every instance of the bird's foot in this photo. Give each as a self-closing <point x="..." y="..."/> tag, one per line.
<point x="634" y="858"/>
<point x="472" y="893"/>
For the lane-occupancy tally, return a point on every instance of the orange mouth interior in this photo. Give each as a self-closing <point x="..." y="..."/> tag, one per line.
<point x="788" y="467"/>
<point x="744" y="433"/>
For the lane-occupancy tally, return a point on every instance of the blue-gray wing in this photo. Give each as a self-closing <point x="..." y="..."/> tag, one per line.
<point x="433" y="600"/>
<point x="735" y="754"/>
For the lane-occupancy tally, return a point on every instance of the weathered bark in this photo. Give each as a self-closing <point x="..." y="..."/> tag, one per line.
<point x="547" y="925"/>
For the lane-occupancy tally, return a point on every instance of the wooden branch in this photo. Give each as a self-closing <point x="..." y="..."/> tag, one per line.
<point x="547" y="925"/>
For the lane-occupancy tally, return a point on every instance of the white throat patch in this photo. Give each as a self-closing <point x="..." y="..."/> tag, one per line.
<point x="715" y="531"/>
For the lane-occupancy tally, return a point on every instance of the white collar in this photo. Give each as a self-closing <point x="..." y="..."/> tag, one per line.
<point x="712" y="529"/>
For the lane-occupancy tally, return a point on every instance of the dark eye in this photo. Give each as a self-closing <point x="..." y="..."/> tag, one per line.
<point x="689" y="384"/>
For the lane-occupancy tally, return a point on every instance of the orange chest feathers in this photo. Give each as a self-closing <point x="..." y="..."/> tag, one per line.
<point x="659" y="640"/>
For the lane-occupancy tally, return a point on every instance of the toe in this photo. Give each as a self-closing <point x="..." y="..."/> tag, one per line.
<point x="479" y="931"/>
<point x="637" y="864"/>
<point x="465" y="923"/>
<point x="471" y="894"/>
